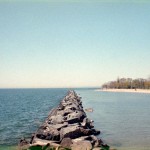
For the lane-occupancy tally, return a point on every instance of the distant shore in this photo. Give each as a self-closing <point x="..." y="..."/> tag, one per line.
<point x="126" y="90"/>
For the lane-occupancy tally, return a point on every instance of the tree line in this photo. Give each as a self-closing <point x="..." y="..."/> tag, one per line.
<point x="128" y="83"/>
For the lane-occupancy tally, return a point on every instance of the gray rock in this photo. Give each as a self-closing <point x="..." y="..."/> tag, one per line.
<point x="71" y="132"/>
<point x="72" y="120"/>
<point x="49" y="133"/>
<point x="53" y="112"/>
<point x="81" y="145"/>
<point x="66" y="143"/>
<point x="85" y="132"/>
<point x="23" y="142"/>
<point x="87" y="123"/>
<point x="80" y="114"/>
<point x="72" y="107"/>
<point x="89" y="109"/>
<point x="82" y="138"/>
<point x="95" y="141"/>
<point x="56" y="119"/>
<point x="42" y="142"/>
<point x="95" y="132"/>
<point x="76" y="116"/>
<point x="59" y="126"/>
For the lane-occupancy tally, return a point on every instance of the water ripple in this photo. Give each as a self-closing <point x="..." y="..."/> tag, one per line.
<point x="23" y="110"/>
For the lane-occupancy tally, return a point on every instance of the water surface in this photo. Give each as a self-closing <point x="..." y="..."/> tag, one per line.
<point x="123" y="118"/>
<point x="23" y="110"/>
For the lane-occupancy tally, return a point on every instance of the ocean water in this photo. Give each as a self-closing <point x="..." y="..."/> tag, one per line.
<point x="123" y="118"/>
<point x="22" y="111"/>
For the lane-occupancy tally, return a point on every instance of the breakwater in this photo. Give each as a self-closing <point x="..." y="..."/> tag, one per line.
<point x="67" y="126"/>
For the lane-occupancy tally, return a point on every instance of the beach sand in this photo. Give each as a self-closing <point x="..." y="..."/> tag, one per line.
<point x="126" y="90"/>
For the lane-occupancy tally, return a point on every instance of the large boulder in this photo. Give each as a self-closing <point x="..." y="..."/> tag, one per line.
<point x="58" y="119"/>
<point x="71" y="132"/>
<point x="85" y="132"/>
<point x="87" y="123"/>
<point x="76" y="116"/>
<point x="49" y="133"/>
<point x="96" y="142"/>
<point x="66" y="143"/>
<point x="42" y="142"/>
<point x="82" y="138"/>
<point x="95" y="132"/>
<point x="58" y="126"/>
<point x="64" y="112"/>
<point x="81" y="145"/>
<point x="52" y="112"/>
<point x="72" y="107"/>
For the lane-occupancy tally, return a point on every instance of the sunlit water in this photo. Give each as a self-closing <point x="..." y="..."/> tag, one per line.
<point x="123" y="118"/>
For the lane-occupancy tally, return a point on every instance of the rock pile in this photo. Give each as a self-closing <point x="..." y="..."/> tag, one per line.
<point x="68" y="126"/>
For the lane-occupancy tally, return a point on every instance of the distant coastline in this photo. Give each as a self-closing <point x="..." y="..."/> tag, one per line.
<point x="146" y="91"/>
<point x="128" y="83"/>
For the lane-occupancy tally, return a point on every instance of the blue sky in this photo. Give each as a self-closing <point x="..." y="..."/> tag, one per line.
<point x="73" y="44"/>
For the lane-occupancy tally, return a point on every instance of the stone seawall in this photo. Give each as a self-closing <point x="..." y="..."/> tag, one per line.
<point x="68" y="126"/>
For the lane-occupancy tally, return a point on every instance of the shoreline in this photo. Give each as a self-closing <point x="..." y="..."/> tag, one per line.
<point x="145" y="91"/>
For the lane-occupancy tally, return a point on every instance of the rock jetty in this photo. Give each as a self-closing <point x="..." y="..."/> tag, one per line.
<point x="68" y="126"/>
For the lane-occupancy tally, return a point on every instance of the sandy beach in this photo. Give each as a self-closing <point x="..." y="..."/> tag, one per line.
<point x="126" y="90"/>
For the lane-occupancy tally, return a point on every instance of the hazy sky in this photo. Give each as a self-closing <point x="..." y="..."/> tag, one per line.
<point x="73" y="44"/>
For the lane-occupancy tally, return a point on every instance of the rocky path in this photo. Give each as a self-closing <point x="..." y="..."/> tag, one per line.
<point x="68" y="126"/>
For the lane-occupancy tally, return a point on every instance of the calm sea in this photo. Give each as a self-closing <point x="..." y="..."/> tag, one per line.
<point x="123" y="118"/>
<point x="22" y="111"/>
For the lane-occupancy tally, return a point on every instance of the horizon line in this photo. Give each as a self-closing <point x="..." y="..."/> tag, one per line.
<point x="49" y="87"/>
